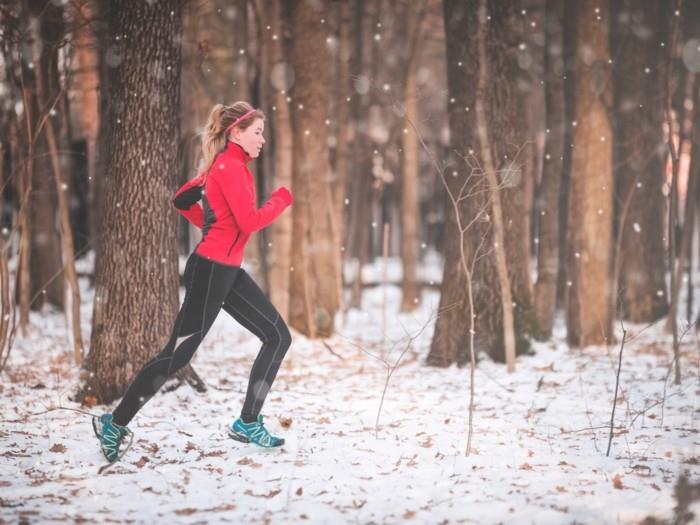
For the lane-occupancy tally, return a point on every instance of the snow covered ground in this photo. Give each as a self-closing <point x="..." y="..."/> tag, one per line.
<point x="540" y="434"/>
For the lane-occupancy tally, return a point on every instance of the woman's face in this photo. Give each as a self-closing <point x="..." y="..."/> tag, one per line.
<point x="251" y="139"/>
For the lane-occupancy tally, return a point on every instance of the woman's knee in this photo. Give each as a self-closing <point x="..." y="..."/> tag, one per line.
<point x="280" y="335"/>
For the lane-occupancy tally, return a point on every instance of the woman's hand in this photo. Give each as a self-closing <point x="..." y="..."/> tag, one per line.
<point x="284" y="193"/>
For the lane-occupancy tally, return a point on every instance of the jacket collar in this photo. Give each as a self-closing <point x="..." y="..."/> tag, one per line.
<point x="237" y="152"/>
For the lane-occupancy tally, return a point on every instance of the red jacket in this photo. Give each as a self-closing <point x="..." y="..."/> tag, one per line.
<point x="228" y="214"/>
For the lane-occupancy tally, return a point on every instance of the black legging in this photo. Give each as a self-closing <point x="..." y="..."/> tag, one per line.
<point x="211" y="286"/>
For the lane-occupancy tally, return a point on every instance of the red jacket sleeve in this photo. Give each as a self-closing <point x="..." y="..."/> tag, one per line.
<point x="239" y="192"/>
<point x="187" y="199"/>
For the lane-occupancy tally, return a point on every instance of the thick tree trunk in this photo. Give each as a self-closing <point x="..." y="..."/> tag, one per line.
<point x="639" y="155"/>
<point x="547" y="203"/>
<point x="136" y="275"/>
<point x="314" y="282"/>
<point x="449" y="343"/>
<point x="588" y="315"/>
<point x="508" y="135"/>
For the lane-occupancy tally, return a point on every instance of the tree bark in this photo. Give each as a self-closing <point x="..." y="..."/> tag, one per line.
<point x="280" y="253"/>
<point x="88" y="81"/>
<point x="449" y="343"/>
<point x="136" y="274"/>
<point x="588" y="314"/>
<point x="46" y="274"/>
<point x="410" y="289"/>
<point x="547" y="204"/>
<point x="314" y="282"/>
<point x="639" y="157"/>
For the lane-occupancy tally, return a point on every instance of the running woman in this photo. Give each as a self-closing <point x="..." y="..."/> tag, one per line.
<point x="228" y="215"/>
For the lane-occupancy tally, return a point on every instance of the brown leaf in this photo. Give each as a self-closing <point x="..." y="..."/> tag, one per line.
<point x="408" y="514"/>
<point x="185" y="512"/>
<point x="561" y="489"/>
<point x="285" y="422"/>
<point x="141" y="462"/>
<point x="58" y="447"/>
<point x="270" y="494"/>
<point x="89" y="401"/>
<point x="525" y="466"/>
<point x="299" y="491"/>
<point x="190" y="446"/>
<point x="617" y="482"/>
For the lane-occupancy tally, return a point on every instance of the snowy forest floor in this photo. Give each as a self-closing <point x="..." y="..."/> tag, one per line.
<point x="540" y="434"/>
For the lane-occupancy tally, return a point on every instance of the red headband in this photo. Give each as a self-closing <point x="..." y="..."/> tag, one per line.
<point x="239" y="119"/>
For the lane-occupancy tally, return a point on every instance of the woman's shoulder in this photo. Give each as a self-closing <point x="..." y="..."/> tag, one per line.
<point x="225" y="166"/>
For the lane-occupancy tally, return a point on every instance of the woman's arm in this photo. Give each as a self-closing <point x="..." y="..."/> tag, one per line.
<point x="187" y="199"/>
<point x="236" y="186"/>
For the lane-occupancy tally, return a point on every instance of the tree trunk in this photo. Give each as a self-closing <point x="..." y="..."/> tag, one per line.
<point x="136" y="274"/>
<point x="588" y="315"/>
<point x="449" y="343"/>
<point x="280" y="253"/>
<point x="88" y="80"/>
<point x="547" y="204"/>
<point x="507" y="137"/>
<point x="46" y="274"/>
<point x="639" y="158"/>
<point x="410" y="289"/>
<point x="62" y="189"/>
<point x="314" y="282"/>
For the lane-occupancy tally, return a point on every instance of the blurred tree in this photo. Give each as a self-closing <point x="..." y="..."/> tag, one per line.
<point x="280" y="79"/>
<point x="315" y="271"/>
<point x="47" y="31"/>
<point x="548" y="198"/>
<point x="588" y="314"/>
<point x="412" y="17"/>
<point x="639" y="28"/>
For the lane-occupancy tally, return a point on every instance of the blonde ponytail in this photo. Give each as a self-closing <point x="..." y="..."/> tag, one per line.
<point x="215" y="130"/>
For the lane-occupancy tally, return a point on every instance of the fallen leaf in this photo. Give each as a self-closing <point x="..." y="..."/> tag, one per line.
<point x="58" y="447"/>
<point x="525" y="466"/>
<point x="299" y="491"/>
<point x="285" y="422"/>
<point x="141" y="462"/>
<point x="89" y="401"/>
<point x="270" y="494"/>
<point x="408" y="514"/>
<point x="561" y="489"/>
<point x="617" y="482"/>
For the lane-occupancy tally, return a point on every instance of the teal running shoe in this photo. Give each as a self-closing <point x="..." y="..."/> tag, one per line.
<point x="254" y="432"/>
<point x="111" y="436"/>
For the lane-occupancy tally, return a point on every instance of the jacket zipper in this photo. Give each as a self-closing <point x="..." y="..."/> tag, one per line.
<point x="234" y="244"/>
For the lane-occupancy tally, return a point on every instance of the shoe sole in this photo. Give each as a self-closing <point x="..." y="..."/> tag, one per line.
<point x="96" y="426"/>
<point x="237" y="436"/>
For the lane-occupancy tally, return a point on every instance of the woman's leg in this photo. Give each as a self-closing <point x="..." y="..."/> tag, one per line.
<point x="206" y="284"/>
<point x="247" y="304"/>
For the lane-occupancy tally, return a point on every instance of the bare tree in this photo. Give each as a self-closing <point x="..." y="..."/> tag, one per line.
<point x="547" y="202"/>
<point x="588" y="315"/>
<point x="314" y="282"/>
<point x="639" y="156"/>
